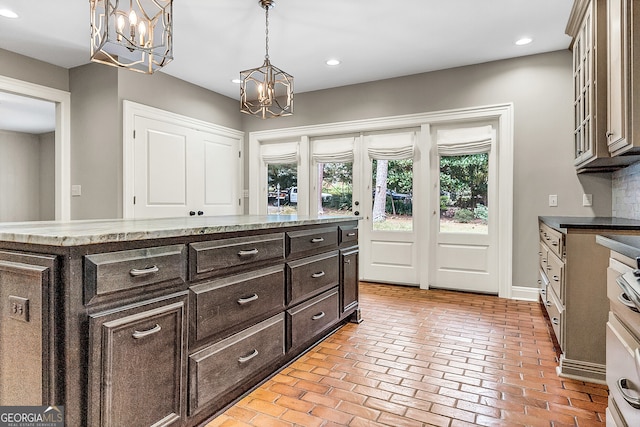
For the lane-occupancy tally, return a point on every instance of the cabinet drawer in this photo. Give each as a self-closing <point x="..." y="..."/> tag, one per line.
<point x="220" y="368"/>
<point x="553" y="239"/>
<point x="556" y="316"/>
<point x="137" y="365"/>
<point x="543" y="256"/>
<point x="555" y="274"/>
<point x="621" y="306"/>
<point x="308" y="319"/>
<point x="236" y="301"/>
<point x="544" y="285"/>
<point x="311" y="275"/>
<point x="119" y="271"/>
<point x="623" y="378"/>
<point x="219" y="257"/>
<point x="312" y="241"/>
<point x="348" y="233"/>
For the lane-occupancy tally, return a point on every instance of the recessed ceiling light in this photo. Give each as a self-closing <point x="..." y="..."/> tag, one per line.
<point x="8" y="13"/>
<point x="236" y="81"/>
<point x="333" y="62"/>
<point x="523" y="41"/>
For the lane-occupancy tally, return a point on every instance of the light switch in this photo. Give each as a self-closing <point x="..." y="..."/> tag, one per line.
<point x="587" y="199"/>
<point x="76" y="190"/>
<point x="553" y="200"/>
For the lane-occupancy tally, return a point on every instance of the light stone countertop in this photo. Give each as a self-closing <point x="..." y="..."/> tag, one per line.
<point x="87" y="232"/>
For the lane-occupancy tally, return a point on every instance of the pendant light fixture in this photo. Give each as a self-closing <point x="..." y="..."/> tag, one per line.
<point x="133" y="34"/>
<point x="266" y="91"/>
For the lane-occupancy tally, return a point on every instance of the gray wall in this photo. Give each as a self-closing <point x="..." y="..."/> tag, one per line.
<point x="97" y="92"/>
<point x="26" y="175"/>
<point x="33" y="71"/>
<point x="539" y="86"/>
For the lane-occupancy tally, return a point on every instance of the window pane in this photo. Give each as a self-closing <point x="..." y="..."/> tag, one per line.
<point x="335" y="194"/>
<point x="464" y="205"/>
<point x="392" y="184"/>
<point x="282" y="183"/>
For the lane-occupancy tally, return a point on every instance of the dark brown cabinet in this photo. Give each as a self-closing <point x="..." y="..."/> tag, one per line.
<point x="170" y="328"/>
<point x="137" y="367"/>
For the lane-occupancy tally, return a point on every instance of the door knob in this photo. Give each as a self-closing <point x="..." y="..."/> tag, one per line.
<point x="192" y="213"/>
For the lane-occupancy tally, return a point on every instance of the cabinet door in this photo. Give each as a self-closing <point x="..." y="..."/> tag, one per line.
<point x="137" y="369"/>
<point x="26" y="282"/>
<point x="348" y="279"/>
<point x="617" y="63"/>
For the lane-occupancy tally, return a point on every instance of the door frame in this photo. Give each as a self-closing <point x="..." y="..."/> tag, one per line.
<point x="502" y="113"/>
<point x="62" y="99"/>
<point x="130" y="111"/>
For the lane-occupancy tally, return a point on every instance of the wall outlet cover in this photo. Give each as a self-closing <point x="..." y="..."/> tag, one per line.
<point x="587" y="200"/>
<point x="553" y="200"/>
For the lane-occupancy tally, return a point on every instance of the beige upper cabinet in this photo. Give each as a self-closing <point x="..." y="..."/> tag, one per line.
<point x="622" y="73"/>
<point x="600" y="32"/>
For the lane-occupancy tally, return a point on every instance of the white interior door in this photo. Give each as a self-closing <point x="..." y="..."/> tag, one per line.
<point x="160" y="169"/>
<point x="179" y="171"/>
<point x="464" y="228"/>
<point x="388" y="240"/>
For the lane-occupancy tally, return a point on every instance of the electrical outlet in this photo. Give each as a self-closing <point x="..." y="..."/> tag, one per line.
<point x="19" y="308"/>
<point x="553" y="200"/>
<point x="587" y="199"/>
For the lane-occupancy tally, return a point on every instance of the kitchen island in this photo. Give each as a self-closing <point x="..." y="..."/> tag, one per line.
<point x="165" y="321"/>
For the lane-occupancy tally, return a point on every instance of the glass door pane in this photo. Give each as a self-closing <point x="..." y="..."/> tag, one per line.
<point x="282" y="188"/>
<point x="464" y="204"/>
<point x="336" y="192"/>
<point x="392" y="183"/>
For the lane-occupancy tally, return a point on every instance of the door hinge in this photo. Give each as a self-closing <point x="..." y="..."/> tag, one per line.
<point x="239" y="202"/>
<point x="134" y="200"/>
<point x="134" y="134"/>
<point x="239" y="154"/>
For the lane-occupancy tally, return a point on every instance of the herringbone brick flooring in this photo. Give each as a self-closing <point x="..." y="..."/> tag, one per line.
<point x="423" y="358"/>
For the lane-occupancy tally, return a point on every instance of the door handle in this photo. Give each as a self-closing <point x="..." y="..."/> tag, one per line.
<point x="192" y="213"/>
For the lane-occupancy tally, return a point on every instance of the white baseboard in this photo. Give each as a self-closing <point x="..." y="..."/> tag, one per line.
<point x="525" y="293"/>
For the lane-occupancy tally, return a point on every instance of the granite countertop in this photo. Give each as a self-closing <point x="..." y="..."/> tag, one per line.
<point x="76" y="233"/>
<point x="626" y="245"/>
<point x="591" y="223"/>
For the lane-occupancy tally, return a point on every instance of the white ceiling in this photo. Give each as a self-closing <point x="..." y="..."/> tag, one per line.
<point x="375" y="39"/>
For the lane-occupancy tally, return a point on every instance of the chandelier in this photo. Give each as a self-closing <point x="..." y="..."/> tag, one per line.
<point x="266" y="91"/>
<point x="133" y="34"/>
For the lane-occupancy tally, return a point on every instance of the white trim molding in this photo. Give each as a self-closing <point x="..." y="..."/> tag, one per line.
<point x="62" y="100"/>
<point x="503" y="113"/>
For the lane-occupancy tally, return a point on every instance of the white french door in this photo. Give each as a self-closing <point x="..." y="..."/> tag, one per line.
<point x="390" y="180"/>
<point x="464" y="221"/>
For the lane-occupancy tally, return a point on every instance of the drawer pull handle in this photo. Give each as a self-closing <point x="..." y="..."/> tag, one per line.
<point x="624" y="299"/>
<point x="543" y="291"/>
<point x="629" y="291"/>
<point x="141" y="334"/>
<point x="540" y="253"/>
<point x="248" y="253"/>
<point x="245" y="359"/>
<point x="622" y="388"/>
<point x="317" y="240"/>
<point x="554" y="243"/>
<point x="555" y="321"/>
<point x="548" y="303"/>
<point x="317" y="275"/>
<point x="351" y="234"/>
<point x="135" y="272"/>
<point x="556" y="278"/>
<point x="347" y="261"/>
<point x="318" y="316"/>
<point x="243" y="301"/>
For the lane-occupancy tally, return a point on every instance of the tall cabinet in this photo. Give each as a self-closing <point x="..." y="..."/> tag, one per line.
<point x="603" y="80"/>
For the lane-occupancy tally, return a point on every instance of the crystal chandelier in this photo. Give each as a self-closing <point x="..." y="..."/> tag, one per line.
<point x="133" y="34"/>
<point x="266" y="91"/>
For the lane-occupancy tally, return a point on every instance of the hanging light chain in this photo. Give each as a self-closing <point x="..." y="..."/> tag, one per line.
<point x="266" y="33"/>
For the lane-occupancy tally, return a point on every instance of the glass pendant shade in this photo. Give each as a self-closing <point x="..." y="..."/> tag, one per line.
<point x="133" y="34"/>
<point x="266" y="92"/>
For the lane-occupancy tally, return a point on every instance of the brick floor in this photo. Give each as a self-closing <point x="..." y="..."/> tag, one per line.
<point x="427" y="358"/>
